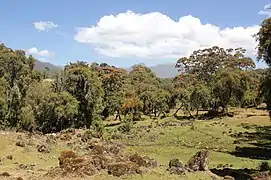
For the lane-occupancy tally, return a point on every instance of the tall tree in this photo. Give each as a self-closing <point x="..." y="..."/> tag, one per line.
<point x="264" y="52"/>
<point x="17" y="70"/>
<point x="84" y="84"/>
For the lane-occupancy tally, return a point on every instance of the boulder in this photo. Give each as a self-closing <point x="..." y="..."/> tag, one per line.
<point x="176" y="167"/>
<point x="199" y="162"/>
<point x="43" y="149"/>
<point x="20" y="144"/>
<point x="10" y="157"/>
<point x="5" y="174"/>
<point x="121" y="168"/>
<point x="143" y="161"/>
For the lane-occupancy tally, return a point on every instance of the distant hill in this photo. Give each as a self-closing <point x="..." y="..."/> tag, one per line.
<point x="161" y="70"/>
<point x="40" y="66"/>
<point x="165" y="70"/>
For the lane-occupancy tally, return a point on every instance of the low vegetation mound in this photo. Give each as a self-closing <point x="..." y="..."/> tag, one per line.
<point x="100" y="157"/>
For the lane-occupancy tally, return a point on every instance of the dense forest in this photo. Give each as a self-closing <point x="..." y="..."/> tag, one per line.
<point x="83" y="95"/>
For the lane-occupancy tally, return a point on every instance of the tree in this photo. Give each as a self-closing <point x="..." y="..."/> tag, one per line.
<point x="229" y="83"/>
<point x="266" y="90"/>
<point x="264" y="52"/>
<point x="207" y="62"/>
<point x="56" y="112"/>
<point x="3" y="103"/>
<point x="264" y="41"/>
<point x="84" y="84"/>
<point x="112" y="82"/>
<point x="17" y="70"/>
<point x="215" y="70"/>
<point x="199" y="97"/>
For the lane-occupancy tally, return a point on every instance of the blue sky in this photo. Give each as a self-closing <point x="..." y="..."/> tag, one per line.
<point x="151" y="32"/>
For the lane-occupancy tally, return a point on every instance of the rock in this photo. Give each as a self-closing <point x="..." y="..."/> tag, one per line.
<point x="122" y="168"/>
<point x="154" y="138"/>
<point x="114" y="150"/>
<point x="19" y="178"/>
<point x="71" y="163"/>
<point x="199" y="162"/>
<point x="20" y="144"/>
<point x="100" y="162"/>
<point x="143" y="161"/>
<point x="97" y="149"/>
<point x="42" y="148"/>
<point x="5" y="174"/>
<point x="20" y="137"/>
<point x="266" y="175"/>
<point x="79" y="135"/>
<point x="176" y="167"/>
<point x="26" y="167"/>
<point x="65" y="137"/>
<point x="10" y="157"/>
<point x="86" y="136"/>
<point x="64" y="155"/>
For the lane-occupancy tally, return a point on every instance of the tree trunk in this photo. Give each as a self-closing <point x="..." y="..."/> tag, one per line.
<point x="177" y="110"/>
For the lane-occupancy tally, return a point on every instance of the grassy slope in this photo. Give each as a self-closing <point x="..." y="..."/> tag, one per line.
<point x="170" y="142"/>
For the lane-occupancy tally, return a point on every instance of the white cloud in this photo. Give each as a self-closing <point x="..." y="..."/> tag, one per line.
<point x="155" y="35"/>
<point x="266" y="10"/>
<point x="43" y="25"/>
<point x="44" y="60"/>
<point x="42" y="53"/>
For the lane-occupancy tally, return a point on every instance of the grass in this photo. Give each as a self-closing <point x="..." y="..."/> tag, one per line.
<point x="160" y="142"/>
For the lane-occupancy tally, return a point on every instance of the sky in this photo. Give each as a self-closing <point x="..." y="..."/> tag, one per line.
<point x="123" y="33"/>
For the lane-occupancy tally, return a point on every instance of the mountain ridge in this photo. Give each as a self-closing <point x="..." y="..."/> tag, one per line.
<point x="161" y="70"/>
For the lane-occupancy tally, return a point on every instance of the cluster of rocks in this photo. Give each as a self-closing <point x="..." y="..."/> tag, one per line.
<point x="7" y="175"/>
<point x="199" y="162"/>
<point x="175" y="124"/>
<point x="100" y="156"/>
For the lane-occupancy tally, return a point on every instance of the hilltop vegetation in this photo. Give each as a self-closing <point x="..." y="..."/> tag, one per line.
<point x="213" y="83"/>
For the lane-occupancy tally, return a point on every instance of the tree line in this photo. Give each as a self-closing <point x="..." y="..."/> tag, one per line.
<point x="83" y="95"/>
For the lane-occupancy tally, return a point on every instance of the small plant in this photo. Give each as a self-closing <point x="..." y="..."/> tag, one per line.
<point x="98" y="127"/>
<point x="127" y="125"/>
<point x="264" y="166"/>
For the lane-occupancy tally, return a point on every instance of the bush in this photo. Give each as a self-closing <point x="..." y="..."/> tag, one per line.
<point x="264" y="166"/>
<point x="127" y="125"/>
<point x="27" y="119"/>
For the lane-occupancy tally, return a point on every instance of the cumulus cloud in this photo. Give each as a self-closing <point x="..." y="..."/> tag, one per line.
<point x="266" y="10"/>
<point x="44" y="25"/>
<point x="155" y="35"/>
<point x="42" y="53"/>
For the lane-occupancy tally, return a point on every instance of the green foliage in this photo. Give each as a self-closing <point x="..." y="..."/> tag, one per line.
<point x="17" y="71"/>
<point x="266" y="89"/>
<point x="27" y="119"/>
<point x="46" y="110"/>
<point x="264" y="166"/>
<point x="264" y="53"/>
<point x="199" y="97"/>
<point x="83" y="95"/>
<point x="3" y="102"/>
<point x="85" y="85"/>
<point x="56" y="112"/>
<point x="264" y="40"/>
<point x="127" y="125"/>
<point x="213" y="77"/>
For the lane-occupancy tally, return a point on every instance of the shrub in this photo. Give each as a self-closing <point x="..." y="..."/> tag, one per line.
<point x="127" y="125"/>
<point x="264" y="166"/>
